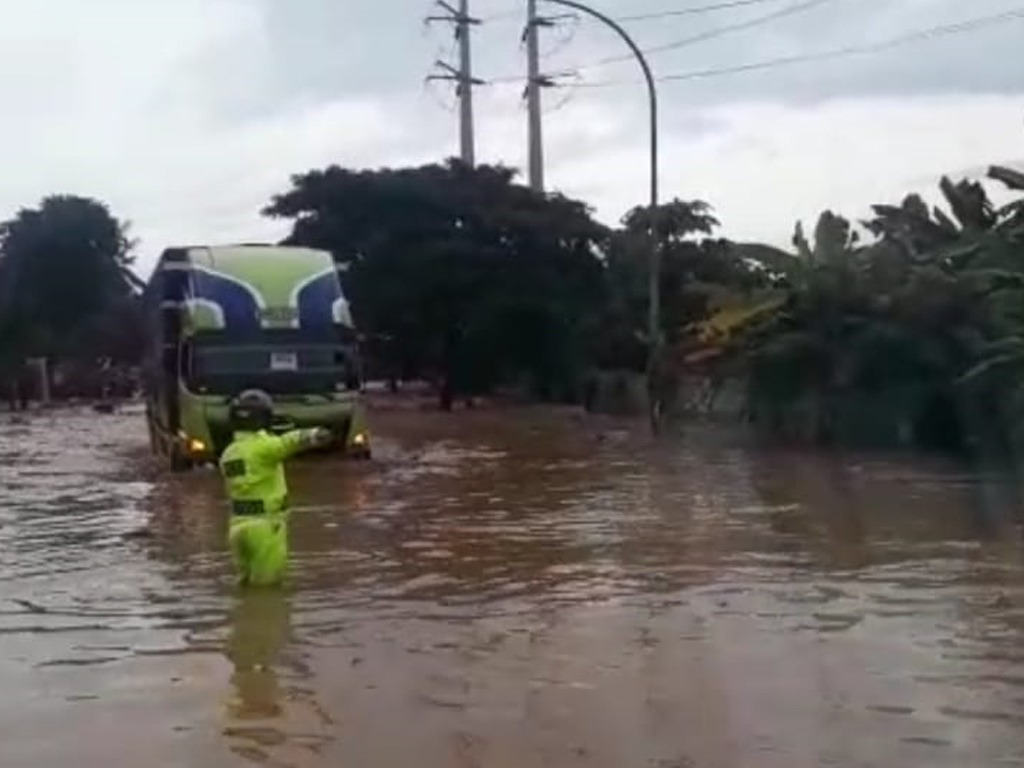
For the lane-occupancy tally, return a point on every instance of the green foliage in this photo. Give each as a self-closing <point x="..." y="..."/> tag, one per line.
<point x="920" y="327"/>
<point x="697" y="272"/>
<point x="906" y="328"/>
<point x="65" y="285"/>
<point x="458" y="272"/>
<point x="673" y="222"/>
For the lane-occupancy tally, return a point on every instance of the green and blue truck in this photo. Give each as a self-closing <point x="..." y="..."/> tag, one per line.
<point x="229" y="318"/>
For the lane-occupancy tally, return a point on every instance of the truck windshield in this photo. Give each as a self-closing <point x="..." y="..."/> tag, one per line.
<point x="279" y="366"/>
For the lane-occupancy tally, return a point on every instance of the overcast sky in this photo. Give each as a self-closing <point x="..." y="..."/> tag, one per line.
<point x="186" y="115"/>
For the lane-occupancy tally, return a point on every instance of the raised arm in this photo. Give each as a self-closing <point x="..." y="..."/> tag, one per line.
<point x="298" y="440"/>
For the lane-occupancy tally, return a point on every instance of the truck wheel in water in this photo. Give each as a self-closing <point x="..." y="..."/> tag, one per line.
<point x="154" y="446"/>
<point x="179" y="463"/>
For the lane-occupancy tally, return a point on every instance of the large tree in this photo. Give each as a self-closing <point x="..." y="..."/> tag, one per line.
<point x="705" y="282"/>
<point x="63" y="268"/>
<point x="458" y="271"/>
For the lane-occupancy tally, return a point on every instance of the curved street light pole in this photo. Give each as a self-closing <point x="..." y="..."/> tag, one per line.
<point x="654" y="278"/>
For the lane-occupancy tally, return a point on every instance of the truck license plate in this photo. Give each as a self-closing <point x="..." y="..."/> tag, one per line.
<point x="284" y="361"/>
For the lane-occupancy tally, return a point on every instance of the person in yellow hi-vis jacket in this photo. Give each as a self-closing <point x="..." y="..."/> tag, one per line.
<point x="253" y="470"/>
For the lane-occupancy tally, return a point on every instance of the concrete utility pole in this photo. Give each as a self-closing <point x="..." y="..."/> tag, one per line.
<point x="654" y="362"/>
<point x="533" y="86"/>
<point x="463" y="76"/>
<point x="467" y="142"/>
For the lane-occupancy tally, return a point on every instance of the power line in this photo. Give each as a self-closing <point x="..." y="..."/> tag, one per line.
<point x="920" y="35"/>
<point x="697" y="11"/>
<point x="789" y="10"/>
<point x="880" y="46"/>
<point x="569" y="93"/>
<point x="708" y="35"/>
<point x="569" y="22"/>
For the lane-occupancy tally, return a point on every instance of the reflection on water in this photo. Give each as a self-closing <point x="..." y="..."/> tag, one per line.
<point x="261" y="709"/>
<point x="508" y="589"/>
<point x="259" y="629"/>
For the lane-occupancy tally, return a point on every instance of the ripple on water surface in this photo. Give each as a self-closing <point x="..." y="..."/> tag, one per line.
<point x="518" y="588"/>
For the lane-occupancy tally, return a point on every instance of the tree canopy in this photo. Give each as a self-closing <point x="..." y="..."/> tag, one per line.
<point x="909" y="337"/>
<point x="457" y="272"/>
<point x="906" y="328"/>
<point x="64" y="278"/>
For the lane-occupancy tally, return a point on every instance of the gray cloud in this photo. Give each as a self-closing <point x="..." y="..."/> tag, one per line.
<point x="186" y="115"/>
<point x="942" y="65"/>
<point x="327" y="48"/>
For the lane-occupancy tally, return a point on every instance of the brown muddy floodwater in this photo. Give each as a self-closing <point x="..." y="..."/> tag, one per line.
<point x="511" y="589"/>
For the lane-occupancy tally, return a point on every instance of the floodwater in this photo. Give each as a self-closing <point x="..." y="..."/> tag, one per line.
<point x="525" y="588"/>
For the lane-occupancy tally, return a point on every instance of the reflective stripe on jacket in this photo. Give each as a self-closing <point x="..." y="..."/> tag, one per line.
<point x="253" y="469"/>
